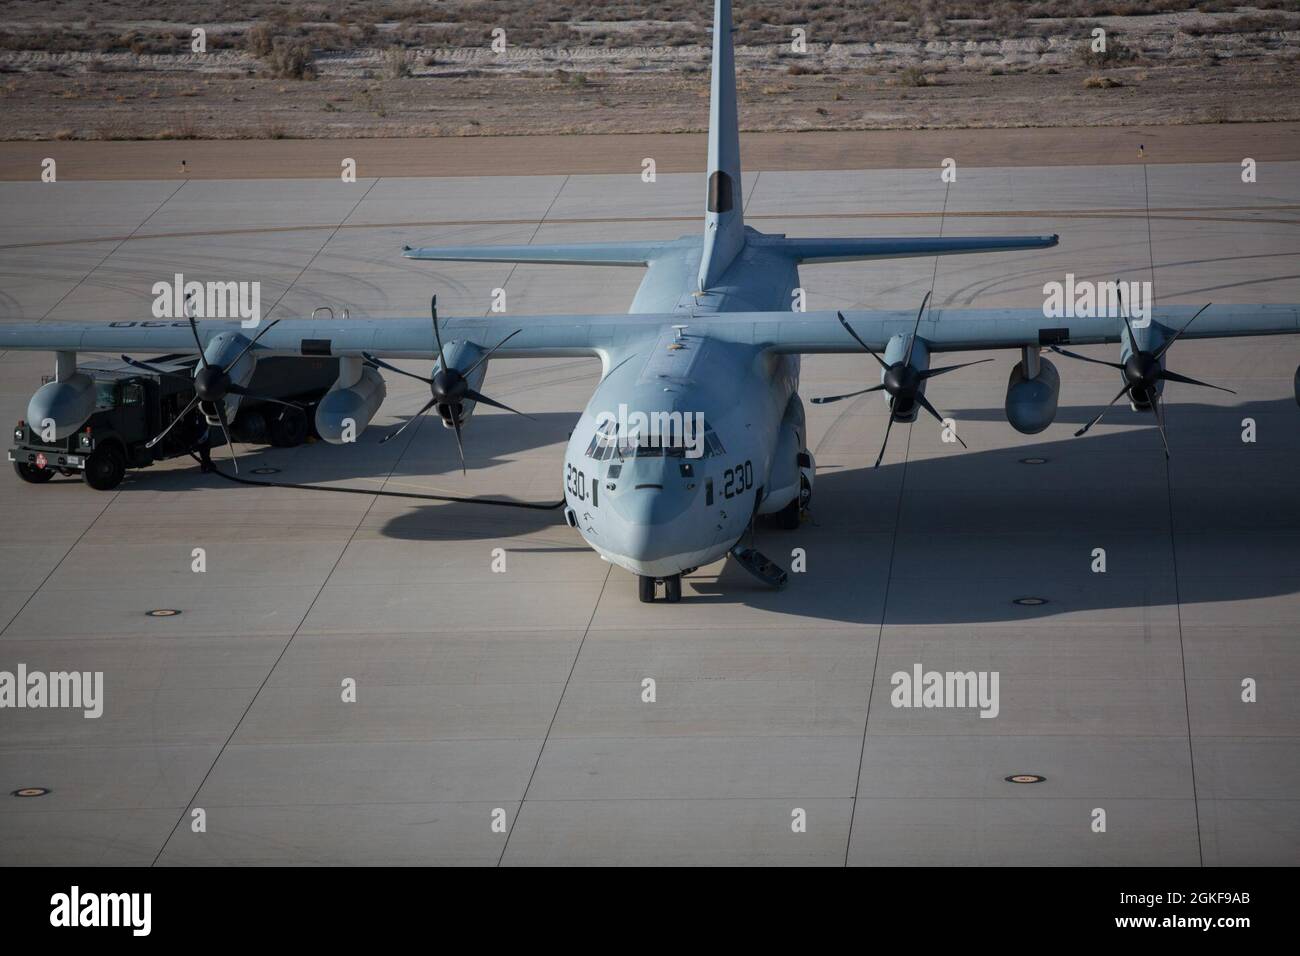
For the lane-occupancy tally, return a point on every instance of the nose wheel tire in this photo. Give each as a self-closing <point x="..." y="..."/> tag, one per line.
<point x="645" y="587"/>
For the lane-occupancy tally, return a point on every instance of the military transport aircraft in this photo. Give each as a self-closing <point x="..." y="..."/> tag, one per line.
<point x="696" y="427"/>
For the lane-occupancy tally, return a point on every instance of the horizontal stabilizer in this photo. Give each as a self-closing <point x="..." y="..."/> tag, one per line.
<point x="848" y="250"/>
<point x="573" y="254"/>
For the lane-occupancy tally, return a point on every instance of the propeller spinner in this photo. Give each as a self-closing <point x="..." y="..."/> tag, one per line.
<point x="902" y="381"/>
<point x="449" y="387"/>
<point x="211" y="385"/>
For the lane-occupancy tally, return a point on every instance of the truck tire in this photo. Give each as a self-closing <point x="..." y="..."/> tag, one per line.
<point x="289" y="430"/>
<point x="31" y="474"/>
<point x="251" y="427"/>
<point x="105" y="468"/>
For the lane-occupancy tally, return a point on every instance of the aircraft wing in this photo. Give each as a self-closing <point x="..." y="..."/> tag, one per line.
<point x="945" y="330"/>
<point x="955" y="330"/>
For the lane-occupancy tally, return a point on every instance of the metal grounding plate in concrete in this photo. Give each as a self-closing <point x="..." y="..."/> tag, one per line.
<point x="518" y="696"/>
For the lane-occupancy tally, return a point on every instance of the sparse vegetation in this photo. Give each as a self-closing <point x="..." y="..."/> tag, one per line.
<point x="913" y="76"/>
<point x="291" y="60"/>
<point x="875" y="59"/>
<point x="397" y="63"/>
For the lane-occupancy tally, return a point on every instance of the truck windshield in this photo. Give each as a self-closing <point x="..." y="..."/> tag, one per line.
<point x="105" y="394"/>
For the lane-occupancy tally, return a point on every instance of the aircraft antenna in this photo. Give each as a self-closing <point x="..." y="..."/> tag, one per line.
<point x="943" y="213"/>
<point x="1151" y="249"/>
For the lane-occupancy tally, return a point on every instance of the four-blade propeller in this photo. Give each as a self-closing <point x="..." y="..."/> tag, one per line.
<point x="902" y="381"/>
<point x="211" y="386"/>
<point x="449" y="386"/>
<point x="1141" y="372"/>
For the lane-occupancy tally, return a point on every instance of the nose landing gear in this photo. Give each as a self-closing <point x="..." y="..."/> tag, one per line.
<point x="648" y="586"/>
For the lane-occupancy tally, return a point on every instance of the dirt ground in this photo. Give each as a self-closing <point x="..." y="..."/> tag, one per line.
<point x="680" y="152"/>
<point x="70" y="70"/>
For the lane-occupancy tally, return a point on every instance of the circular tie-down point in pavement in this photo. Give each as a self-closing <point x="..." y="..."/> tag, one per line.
<point x="29" y="792"/>
<point x="1033" y="461"/>
<point x="1030" y="601"/>
<point x="1025" y="778"/>
<point x="266" y="471"/>
<point x="162" y="612"/>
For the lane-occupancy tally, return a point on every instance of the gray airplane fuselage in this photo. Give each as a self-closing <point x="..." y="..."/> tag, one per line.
<point x="659" y="513"/>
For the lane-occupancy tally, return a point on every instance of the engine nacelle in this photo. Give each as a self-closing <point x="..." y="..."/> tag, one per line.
<point x="896" y="351"/>
<point x="62" y="405"/>
<point x="222" y="349"/>
<point x="462" y="355"/>
<point x="350" y="404"/>
<point x="1031" y="402"/>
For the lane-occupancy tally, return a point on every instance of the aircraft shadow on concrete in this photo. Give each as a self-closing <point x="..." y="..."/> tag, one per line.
<point x="1109" y="488"/>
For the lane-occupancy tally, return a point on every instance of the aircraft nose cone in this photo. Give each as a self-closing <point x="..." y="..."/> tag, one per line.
<point x="648" y="522"/>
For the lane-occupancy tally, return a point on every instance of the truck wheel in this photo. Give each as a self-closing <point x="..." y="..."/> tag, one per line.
<point x="31" y="474"/>
<point x="289" y="430"/>
<point x="105" y="468"/>
<point x="251" y="427"/>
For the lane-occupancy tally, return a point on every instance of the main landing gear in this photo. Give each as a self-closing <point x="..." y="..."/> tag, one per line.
<point x="647" y="586"/>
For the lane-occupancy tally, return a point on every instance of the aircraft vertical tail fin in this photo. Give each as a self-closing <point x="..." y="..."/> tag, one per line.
<point x="724" y="224"/>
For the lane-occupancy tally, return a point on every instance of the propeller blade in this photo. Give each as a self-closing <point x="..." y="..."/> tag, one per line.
<point x="266" y="328"/>
<point x="1160" y="420"/>
<point x="184" y="414"/>
<point x="460" y="447"/>
<point x="149" y="368"/>
<point x="379" y="363"/>
<point x="241" y="390"/>
<point x="488" y="354"/>
<point x="1174" y="338"/>
<point x="1122" y="392"/>
<point x="401" y="428"/>
<point x="932" y="372"/>
<point x="925" y="403"/>
<point x="835" y="398"/>
<point x="848" y="328"/>
<point x="474" y="396"/>
<point x="1084" y="358"/>
<point x="225" y="430"/>
<point x="1132" y="339"/>
<point x="194" y="328"/>
<point x="437" y="336"/>
<point x="884" y="444"/>
<point x="912" y="344"/>
<point x="1169" y="376"/>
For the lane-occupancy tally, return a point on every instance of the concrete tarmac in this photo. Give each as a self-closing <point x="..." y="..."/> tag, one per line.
<point x="516" y="698"/>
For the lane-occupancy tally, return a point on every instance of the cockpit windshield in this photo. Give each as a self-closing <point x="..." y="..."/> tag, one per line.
<point x="611" y="443"/>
